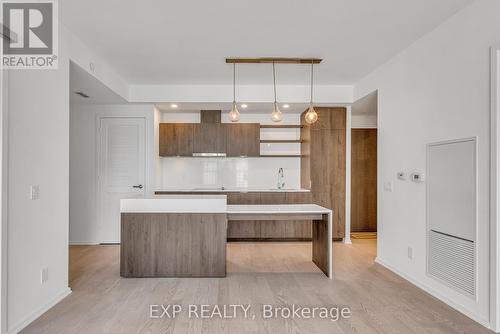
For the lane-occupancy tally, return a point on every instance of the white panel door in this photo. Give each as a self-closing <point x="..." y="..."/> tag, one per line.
<point x="121" y="172"/>
<point x="451" y="188"/>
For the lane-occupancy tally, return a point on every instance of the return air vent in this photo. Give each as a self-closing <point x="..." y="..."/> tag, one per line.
<point x="452" y="260"/>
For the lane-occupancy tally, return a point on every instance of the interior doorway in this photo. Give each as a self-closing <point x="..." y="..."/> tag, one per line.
<point x="364" y="167"/>
<point x="121" y="170"/>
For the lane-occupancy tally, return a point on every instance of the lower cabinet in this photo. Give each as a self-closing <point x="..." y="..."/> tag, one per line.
<point x="269" y="229"/>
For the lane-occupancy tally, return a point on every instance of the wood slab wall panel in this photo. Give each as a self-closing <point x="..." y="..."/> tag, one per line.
<point x="243" y="139"/>
<point x="173" y="245"/>
<point x="364" y="180"/>
<point x="330" y="118"/>
<point x="326" y="163"/>
<point x="176" y="139"/>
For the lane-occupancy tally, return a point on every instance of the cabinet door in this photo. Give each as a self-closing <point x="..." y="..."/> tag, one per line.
<point x="176" y="139"/>
<point x="243" y="140"/>
<point x="209" y="138"/>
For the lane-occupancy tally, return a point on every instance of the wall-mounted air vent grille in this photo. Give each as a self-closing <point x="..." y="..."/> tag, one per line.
<point x="452" y="260"/>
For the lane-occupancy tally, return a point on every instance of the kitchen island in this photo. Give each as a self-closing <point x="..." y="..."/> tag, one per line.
<point x="186" y="235"/>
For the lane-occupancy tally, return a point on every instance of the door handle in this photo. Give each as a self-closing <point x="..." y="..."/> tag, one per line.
<point x="138" y="186"/>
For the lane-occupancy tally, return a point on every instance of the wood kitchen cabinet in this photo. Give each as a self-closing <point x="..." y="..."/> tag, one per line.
<point x="323" y="162"/>
<point x="269" y="229"/>
<point x="209" y="138"/>
<point x="243" y="139"/>
<point x="243" y="229"/>
<point x="176" y="139"/>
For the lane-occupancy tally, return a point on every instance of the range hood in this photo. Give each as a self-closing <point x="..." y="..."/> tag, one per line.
<point x="207" y="154"/>
<point x="210" y="118"/>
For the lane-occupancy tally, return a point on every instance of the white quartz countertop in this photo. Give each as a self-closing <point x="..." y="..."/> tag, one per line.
<point x="210" y="204"/>
<point x="176" y="204"/>
<point x="279" y="208"/>
<point x="232" y="190"/>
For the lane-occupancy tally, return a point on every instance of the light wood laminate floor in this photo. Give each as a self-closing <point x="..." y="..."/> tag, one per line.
<point x="258" y="273"/>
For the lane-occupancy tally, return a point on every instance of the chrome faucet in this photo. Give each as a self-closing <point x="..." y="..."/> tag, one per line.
<point x="281" y="183"/>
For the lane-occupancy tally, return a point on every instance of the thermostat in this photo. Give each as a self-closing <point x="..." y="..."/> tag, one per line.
<point x="417" y="177"/>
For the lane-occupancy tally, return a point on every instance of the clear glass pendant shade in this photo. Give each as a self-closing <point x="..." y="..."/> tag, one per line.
<point x="276" y="115"/>
<point x="311" y="115"/>
<point x="234" y="114"/>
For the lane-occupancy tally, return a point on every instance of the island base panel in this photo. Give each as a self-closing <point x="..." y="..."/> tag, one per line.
<point x="173" y="245"/>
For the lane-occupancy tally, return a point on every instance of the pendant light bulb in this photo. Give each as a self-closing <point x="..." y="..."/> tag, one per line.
<point x="234" y="114"/>
<point x="311" y="115"/>
<point x="276" y="115"/>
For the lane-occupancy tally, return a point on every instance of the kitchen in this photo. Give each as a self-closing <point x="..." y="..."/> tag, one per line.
<point x="251" y="160"/>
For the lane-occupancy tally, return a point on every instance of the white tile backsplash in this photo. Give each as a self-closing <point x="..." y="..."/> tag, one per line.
<point x="253" y="173"/>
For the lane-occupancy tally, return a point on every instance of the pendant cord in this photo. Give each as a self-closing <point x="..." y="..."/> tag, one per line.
<point x="274" y="82"/>
<point x="234" y="83"/>
<point x="312" y="75"/>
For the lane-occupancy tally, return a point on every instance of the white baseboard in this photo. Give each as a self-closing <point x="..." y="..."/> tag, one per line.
<point x="33" y="316"/>
<point x="435" y="293"/>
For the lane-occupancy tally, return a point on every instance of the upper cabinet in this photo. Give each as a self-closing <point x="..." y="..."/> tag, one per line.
<point x="184" y="139"/>
<point x="176" y="139"/>
<point x="243" y="139"/>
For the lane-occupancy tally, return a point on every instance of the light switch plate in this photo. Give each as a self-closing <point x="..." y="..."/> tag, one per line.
<point x="44" y="275"/>
<point x="34" y="192"/>
<point x="388" y="186"/>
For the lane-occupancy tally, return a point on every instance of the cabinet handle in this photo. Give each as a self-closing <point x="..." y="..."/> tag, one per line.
<point x="138" y="186"/>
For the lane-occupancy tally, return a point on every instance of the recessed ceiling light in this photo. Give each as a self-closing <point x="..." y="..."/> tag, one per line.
<point x="173" y="105"/>
<point x="286" y="106"/>
<point x="244" y="106"/>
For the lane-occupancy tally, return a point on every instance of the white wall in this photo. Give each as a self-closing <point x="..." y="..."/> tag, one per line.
<point x="437" y="89"/>
<point x="38" y="128"/>
<point x="83" y="170"/>
<point x="363" y="121"/>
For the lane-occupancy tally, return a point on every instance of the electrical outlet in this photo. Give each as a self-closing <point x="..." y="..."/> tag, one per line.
<point x="44" y="275"/>
<point x="34" y="192"/>
<point x="410" y="253"/>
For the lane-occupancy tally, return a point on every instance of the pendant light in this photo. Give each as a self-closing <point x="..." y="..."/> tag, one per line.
<point x="276" y="115"/>
<point x="311" y="115"/>
<point x="234" y="115"/>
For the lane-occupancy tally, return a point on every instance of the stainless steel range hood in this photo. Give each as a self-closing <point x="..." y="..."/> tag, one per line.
<point x="209" y="154"/>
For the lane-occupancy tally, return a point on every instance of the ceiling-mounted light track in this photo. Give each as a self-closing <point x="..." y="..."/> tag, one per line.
<point x="274" y="60"/>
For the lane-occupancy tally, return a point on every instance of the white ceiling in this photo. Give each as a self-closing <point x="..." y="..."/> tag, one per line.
<point x="186" y="41"/>
<point x="367" y="105"/>
<point x="81" y="81"/>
